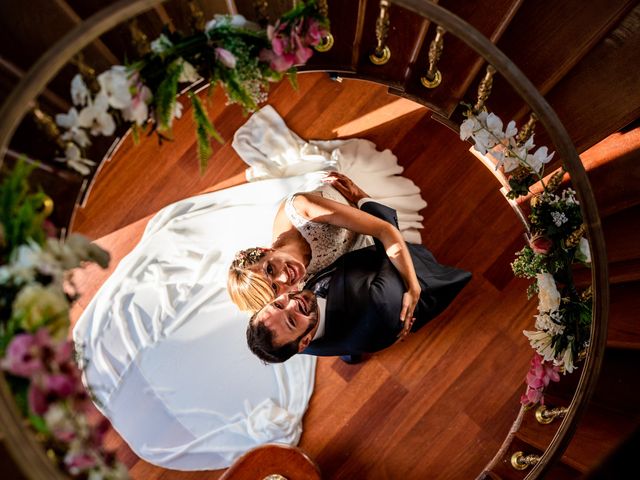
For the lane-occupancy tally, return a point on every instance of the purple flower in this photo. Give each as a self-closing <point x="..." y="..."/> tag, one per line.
<point x="78" y="462"/>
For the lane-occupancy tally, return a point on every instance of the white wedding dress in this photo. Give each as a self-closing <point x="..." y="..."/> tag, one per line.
<point x="164" y="347"/>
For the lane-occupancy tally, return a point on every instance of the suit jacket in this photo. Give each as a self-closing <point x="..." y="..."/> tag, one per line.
<point x="364" y="298"/>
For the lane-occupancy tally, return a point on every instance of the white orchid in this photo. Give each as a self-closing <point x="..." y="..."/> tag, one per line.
<point x="73" y="159"/>
<point x="237" y="21"/>
<point x="74" y="132"/>
<point x="539" y="159"/>
<point x="96" y="117"/>
<point x="114" y="83"/>
<point x="79" y="91"/>
<point x="138" y="111"/>
<point x="565" y="359"/>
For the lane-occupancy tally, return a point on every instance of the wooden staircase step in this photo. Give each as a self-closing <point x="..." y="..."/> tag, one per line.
<point x="599" y="432"/>
<point x="624" y="328"/>
<point x="459" y="64"/>
<point x="545" y="46"/>
<point x="618" y="388"/>
<point x="621" y="239"/>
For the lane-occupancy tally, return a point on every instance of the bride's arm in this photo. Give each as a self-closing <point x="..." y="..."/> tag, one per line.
<point x="324" y="210"/>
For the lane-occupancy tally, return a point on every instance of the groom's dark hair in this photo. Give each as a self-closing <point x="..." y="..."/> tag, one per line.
<point x="260" y="341"/>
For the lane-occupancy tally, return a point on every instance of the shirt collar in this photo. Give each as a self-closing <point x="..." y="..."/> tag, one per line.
<point x="322" y="307"/>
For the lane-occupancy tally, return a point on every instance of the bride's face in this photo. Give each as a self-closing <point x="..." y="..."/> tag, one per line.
<point x="283" y="271"/>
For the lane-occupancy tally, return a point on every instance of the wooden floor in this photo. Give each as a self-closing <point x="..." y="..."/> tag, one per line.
<point x="439" y="404"/>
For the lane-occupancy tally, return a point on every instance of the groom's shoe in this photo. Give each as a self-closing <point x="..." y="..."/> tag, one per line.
<point x="351" y="359"/>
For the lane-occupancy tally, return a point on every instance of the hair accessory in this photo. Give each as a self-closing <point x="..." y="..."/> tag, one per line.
<point x="249" y="256"/>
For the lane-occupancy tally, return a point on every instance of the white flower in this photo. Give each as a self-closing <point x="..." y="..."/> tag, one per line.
<point x="188" y="73"/>
<point x="96" y="117"/>
<point x="569" y="196"/>
<point x="74" y="133"/>
<point x="511" y="130"/>
<point x="565" y="359"/>
<point x="584" y="252"/>
<point x="79" y="91"/>
<point x="73" y="159"/>
<point x="549" y="321"/>
<point x="114" y="83"/>
<point x="237" y="21"/>
<point x="538" y="159"/>
<point x="494" y="124"/>
<point x="559" y="218"/>
<point x="467" y="128"/>
<point x="138" y="111"/>
<point x="548" y="294"/>
<point x="161" y="45"/>
<point x="541" y="343"/>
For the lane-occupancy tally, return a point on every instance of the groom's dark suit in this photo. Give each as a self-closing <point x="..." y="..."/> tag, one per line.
<point x="365" y="292"/>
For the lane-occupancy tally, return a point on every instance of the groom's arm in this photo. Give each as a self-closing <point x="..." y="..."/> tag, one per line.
<point x="379" y="210"/>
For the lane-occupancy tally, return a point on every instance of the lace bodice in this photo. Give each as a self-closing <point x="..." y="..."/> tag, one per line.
<point x="327" y="242"/>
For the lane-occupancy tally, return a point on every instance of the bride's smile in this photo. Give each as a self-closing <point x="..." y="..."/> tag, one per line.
<point x="284" y="271"/>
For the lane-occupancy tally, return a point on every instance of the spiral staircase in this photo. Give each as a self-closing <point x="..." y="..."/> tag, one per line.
<point x="581" y="56"/>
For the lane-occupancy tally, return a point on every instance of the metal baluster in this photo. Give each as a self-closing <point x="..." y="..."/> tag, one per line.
<point x="520" y="461"/>
<point x="197" y="17"/>
<point x="484" y="89"/>
<point x="433" y="77"/>
<point x="381" y="54"/>
<point x="327" y="41"/>
<point x="546" y="415"/>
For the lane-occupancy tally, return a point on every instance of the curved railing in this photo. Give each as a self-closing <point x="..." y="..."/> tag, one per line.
<point x="23" y="445"/>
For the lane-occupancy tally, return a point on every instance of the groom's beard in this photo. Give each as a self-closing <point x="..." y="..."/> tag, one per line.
<point x="314" y="313"/>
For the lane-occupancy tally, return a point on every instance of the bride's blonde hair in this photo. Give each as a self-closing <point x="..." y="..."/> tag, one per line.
<point x="248" y="289"/>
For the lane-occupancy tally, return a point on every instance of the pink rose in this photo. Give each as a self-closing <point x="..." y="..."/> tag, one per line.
<point x="540" y="244"/>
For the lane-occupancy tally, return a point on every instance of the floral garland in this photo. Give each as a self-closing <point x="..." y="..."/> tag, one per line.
<point x="36" y="267"/>
<point x="36" y="294"/>
<point x="243" y="58"/>
<point x="556" y="242"/>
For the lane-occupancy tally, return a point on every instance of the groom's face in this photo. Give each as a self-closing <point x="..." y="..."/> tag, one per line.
<point x="290" y="317"/>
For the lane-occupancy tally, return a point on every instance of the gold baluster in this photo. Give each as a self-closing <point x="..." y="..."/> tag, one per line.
<point x="139" y="38"/>
<point x="586" y="295"/>
<point x="484" y="89"/>
<point x="433" y="77"/>
<point x="527" y="129"/>
<point x="327" y="41"/>
<point x="520" y="461"/>
<point x="546" y="415"/>
<point x="381" y="54"/>
<point x="575" y="237"/>
<point x="197" y="16"/>
<point x="88" y="73"/>
<point x="46" y="124"/>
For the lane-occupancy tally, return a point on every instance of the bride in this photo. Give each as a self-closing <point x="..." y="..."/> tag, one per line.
<point x="163" y="346"/>
<point x="311" y="231"/>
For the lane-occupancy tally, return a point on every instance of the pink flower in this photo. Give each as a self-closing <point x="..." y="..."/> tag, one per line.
<point x="60" y="385"/>
<point x="540" y="244"/>
<point x="314" y="32"/>
<point x="302" y="53"/>
<point x="538" y="378"/>
<point x="38" y="402"/>
<point x="225" y="57"/>
<point x="78" y="462"/>
<point x="24" y="356"/>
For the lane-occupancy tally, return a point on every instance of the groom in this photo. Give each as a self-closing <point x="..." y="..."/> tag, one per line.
<point x="353" y="306"/>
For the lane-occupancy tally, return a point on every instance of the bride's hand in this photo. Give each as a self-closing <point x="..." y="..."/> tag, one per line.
<point x="409" y="302"/>
<point x="345" y="186"/>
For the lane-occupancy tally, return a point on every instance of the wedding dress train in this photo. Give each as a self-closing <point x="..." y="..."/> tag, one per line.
<point x="163" y="347"/>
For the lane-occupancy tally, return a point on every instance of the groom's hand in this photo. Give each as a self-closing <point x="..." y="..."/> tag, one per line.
<point x="345" y="186"/>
